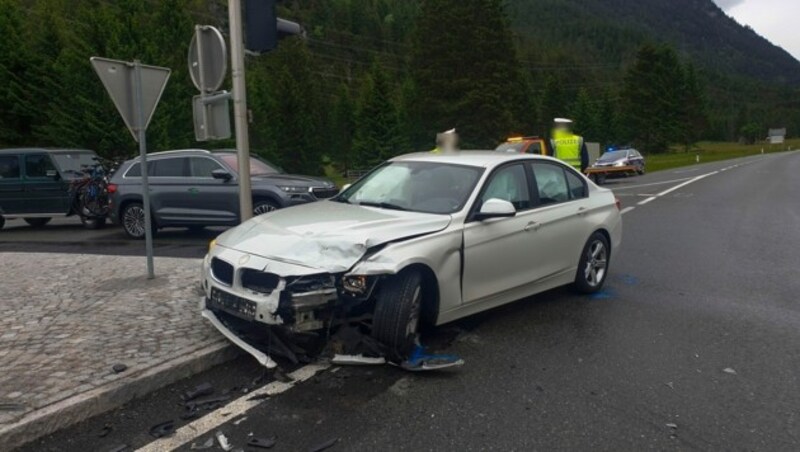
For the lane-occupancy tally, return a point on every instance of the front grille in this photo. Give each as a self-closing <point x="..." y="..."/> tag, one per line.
<point x="310" y="283"/>
<point x="260" y="282"/>
<point x="222" y="271"/>
<point x="325" y="193"/>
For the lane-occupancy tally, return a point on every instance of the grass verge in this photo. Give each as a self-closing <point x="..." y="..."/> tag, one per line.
<point x="709" y="151"/>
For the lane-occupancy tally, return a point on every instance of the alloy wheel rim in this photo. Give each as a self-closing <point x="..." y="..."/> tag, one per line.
<point x="413" y="320"/>
<point x="263" y="208"/>
<point x="596" y="263"/>
<point x="134" y="221"/>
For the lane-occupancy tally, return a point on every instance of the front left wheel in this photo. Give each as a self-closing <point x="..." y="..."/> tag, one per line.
<point x="133" y="221"/>
<point x="398" y="306"/>
<point x="264" y="206"/>
<point x="593" y="264"/>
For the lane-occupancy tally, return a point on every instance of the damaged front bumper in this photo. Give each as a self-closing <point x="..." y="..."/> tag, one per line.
<point x="293" y="297"/>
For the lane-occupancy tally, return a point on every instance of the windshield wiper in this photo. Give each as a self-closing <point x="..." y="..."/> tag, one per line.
<point x="382" y="205"/>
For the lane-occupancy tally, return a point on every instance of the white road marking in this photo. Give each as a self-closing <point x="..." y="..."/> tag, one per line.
<point x="626" y="210"/>
<point x="690" y="181"/>
<point x="628" y="187"/>
<point x="650" y="199"/>
<point x="236" y="408"/>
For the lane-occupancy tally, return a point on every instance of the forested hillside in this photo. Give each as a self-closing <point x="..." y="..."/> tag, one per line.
<point x="375" y="78"/>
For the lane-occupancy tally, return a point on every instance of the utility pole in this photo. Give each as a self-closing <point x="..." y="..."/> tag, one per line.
<point x="240" y="108"/>
<point x="142" y="135"/>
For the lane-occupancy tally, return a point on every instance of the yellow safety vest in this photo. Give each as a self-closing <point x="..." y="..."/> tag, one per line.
<point x="567" y="148"/>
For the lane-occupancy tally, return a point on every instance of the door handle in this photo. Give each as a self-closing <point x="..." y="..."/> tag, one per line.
<point x="532" y="226"/>
<point x="581" y="210"/>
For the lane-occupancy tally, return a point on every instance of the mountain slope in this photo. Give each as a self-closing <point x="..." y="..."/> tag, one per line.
<point x="608" y="31"/>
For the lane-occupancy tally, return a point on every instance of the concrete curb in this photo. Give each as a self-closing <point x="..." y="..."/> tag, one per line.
<point x="83" y="406"/>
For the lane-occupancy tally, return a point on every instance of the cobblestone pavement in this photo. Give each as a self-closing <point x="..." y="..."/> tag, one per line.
<point x="67" y="319"/>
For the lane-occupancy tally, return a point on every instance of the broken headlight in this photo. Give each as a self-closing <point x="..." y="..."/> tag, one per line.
<point x="356" y="284"/>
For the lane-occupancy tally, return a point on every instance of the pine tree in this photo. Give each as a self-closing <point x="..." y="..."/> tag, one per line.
<point x="378" y="133"/>
<point x="465" y="70"/>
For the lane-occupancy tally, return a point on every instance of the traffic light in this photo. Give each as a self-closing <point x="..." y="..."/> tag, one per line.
<point x="263" y="28"/>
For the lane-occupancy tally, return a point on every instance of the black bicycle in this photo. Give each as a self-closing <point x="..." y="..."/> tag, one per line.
<point x="90" y="195"/>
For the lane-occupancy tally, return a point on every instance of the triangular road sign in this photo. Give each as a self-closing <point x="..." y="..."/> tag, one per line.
<point x="118" y="78"/>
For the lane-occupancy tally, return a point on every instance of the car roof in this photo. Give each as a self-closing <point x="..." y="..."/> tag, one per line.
<point x="48" y="150"/>
<point x="481" y="158"/>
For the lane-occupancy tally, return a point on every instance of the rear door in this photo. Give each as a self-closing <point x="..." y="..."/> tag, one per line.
<point x="44" y="188"/>
<point x="170" y="186"/>
<point x="12" y="190"/>
<point x="560" y="217"/>
<point x="213" y="201"/>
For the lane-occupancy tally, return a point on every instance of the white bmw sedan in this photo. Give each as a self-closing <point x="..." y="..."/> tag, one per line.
<point x="422" y="238"/>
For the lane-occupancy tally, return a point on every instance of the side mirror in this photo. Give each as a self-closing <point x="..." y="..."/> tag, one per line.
<point x="221" y="174"/>
<point x="496" y="208"/>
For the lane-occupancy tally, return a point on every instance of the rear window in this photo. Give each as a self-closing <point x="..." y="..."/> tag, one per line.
<point x="515" y="147"/>
<point x="73" y="164"/>
<point x="173" y="167"/>
<point x="9" y="167"/>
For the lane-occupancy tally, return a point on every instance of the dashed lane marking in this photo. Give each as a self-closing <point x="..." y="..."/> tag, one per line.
<point x="626" y="210"/>
<point x="236" y="408"/>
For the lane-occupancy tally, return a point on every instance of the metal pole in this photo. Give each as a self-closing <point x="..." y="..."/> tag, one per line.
<point x="240" y="108"/>
<point x="141" y="133"/>
<point x="199" y="38"/>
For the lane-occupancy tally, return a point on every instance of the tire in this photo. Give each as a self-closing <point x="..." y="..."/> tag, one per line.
<point x="397" y="312"/>
<point x="641" y="171"/>
<point x="37" y="222"/>
<point x="93" y="222"/>
<point x="263" y="206"/>
<point x="2" y="222"/>
<point x="132" y="219"/>
<point x="593" y="265"/>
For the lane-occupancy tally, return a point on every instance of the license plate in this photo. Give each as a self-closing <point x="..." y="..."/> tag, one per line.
<point x="232" y="304"/>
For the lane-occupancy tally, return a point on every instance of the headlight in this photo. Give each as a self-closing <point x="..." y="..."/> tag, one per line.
<point x="294" y="189"/>
<point x="211" y="245"/>
<point x="356" y="284"/>
<point x="619" y="163"/>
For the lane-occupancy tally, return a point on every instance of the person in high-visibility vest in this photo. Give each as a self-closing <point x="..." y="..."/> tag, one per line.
<point x="446" y="142"/>
<point x="568" y="147"/>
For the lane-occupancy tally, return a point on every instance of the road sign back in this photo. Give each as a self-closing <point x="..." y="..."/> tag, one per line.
<point x="118" y="78"/>
<point x="208" y="58"/>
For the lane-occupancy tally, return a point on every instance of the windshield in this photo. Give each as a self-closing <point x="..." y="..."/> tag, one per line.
<point x="258" y="167"/>
<point x="73" y="164"/>
<point x="613" y="156"/>
<point x="510" y="147"/>
<point x="429" y="187"/>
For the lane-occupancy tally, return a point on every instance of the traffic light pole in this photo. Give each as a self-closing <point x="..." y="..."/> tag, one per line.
<point x="240" y="108"/>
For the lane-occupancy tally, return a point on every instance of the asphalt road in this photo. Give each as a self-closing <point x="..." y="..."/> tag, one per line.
<point x="692" y="346"/>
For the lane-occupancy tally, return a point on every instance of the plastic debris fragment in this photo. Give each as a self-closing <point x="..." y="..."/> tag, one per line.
<point x="262" y="443"/>
<point x="223" y="441"/>
<point x="420" y="360"/>
<point x="324" y="445"/>
<point x="357" y="360"/>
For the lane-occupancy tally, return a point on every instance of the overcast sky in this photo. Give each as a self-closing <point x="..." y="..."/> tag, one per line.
<point x="776" y="20"/>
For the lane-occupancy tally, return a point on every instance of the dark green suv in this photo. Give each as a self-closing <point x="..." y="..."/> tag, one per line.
<point x="35" y="184"/>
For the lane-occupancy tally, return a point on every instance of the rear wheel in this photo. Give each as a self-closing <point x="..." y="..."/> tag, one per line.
<point x="133" y="221"/>
<point x="593" y="264"/>
<point x="397" y="312"/>
<point x="37" y="222"/>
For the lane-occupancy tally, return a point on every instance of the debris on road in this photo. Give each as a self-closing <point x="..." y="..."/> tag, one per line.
<point x="670" y="385"/>
<point x="203" y="389"/>
<point x="119" y="448"/>
<point x="324" y="446"/>
<point x="729" y="370"/>
<point x="223" y="441"/>
<point x="420" y="360"/>
<point x="672" y="426"/>
<point x="206" y="403"/>
<point x="240" y="420"/>
<point x="104" y="431"/>
<point x="119" y="368"/>
<point x="163" y="429"/>
<point x="206" y="445"/>
<point x="262" y="443"/>
<point x="357" y="360"/>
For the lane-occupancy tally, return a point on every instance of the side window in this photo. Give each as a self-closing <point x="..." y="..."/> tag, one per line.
<point x="551" y="183"/>
<point x="9" y="167"/>
<point x="509" y="184"/>
<point x="203" y="167"/>
<point x="38" y="166"/>
<point x="136" y="170"/>
<point x="170" y="167"/>
<point x="577" y="187"/>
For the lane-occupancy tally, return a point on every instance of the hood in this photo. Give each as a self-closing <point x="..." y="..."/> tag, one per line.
<point x="293" y="179"/>
<point x="327" y="235"/>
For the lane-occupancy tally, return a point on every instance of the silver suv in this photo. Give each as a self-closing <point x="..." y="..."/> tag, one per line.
<point x="196" y="188"/>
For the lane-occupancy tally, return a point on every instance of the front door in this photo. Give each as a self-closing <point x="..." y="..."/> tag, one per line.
<point x="45" y="190"/>
<point x="213" y="201"/>
<point x="12" y="190"/>
<point x="498" y="252"/>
